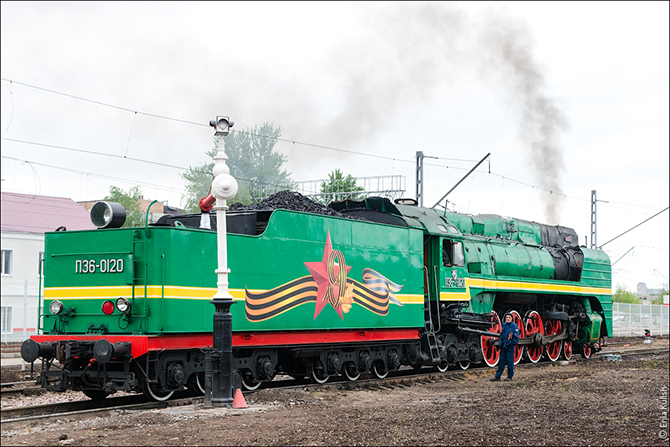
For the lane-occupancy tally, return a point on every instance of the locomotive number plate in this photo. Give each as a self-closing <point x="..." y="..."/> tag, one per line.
<point x="99" y="265"/>
<point x="451" y="282"/>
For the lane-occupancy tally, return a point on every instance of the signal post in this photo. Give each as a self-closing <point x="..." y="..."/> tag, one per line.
<point x="224" y="187"/>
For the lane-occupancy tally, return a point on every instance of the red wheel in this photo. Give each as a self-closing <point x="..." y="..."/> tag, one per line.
<point x="518" y="350"/>
<point x="491" y="353"/>
<point x="585" y="351"/>
<point x="553" y="350"/>
<point x="533" y="326"/>
<point x="567" y="349"/>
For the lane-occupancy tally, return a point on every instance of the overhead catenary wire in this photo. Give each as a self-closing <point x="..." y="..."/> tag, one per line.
<point x="124" y="157"/>
<point x="272" y="184"/>
<point x="109" y="177"/>
<point x="293" y="142"/>
<point x="154" y="115"/>
<point x="95" y="153"/>
<point x="138" y="182"/>
<point x="622" y="256"/>
<point x="104" y="103"/>
<point x="630" y="229"/>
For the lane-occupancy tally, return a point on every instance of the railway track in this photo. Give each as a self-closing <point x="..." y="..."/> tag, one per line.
<point x="88" y="408"/>
<point x="403" y="379"/>
<point x="11" y="388"/>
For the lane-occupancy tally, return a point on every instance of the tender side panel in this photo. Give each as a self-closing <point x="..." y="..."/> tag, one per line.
<point x="372" y="253"/>
<point x="174" y="268"/>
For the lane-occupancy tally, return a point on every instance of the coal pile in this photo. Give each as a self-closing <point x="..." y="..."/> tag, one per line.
<point x="290" y="200"/>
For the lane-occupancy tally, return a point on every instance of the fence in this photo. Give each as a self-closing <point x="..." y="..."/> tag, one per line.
<point x="630" y="320"/>
<point x="389" y="186"/>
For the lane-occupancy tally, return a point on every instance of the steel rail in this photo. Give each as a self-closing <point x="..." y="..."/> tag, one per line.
<point x="22" y="389"/>
<point x="401" y="379"/>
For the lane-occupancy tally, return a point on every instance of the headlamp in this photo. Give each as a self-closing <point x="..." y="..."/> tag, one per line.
<point x="56" y="307"/>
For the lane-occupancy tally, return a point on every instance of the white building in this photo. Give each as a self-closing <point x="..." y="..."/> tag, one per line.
<point x="25" y="219"/>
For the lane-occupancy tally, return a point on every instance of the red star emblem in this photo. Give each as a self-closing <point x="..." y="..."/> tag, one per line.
<point x="319" y="271"/>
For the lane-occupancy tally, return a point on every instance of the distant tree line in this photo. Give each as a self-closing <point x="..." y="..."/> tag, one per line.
<point x="623" y="295"/>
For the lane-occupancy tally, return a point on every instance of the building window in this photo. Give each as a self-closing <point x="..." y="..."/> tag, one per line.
<point x="6" y="319"/>
<point x="6" y="262"/>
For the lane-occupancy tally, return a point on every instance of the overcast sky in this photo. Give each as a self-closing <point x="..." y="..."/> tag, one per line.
<point x="567" y="98"/>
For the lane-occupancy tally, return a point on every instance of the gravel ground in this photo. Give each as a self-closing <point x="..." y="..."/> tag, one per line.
<point x="598" y="402"/>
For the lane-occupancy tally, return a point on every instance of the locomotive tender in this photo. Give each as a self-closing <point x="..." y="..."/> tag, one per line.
<point x="315" y="296"/>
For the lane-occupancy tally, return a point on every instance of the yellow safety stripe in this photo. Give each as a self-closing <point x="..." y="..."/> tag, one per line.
<point x="494" y="285"/>
<point x="170" y="292"/>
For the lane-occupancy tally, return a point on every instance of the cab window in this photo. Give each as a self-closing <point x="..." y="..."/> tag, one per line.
<point x="452" y="253"/>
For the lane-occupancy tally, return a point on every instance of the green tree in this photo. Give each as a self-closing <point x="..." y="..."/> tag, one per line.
<point x="659" y="298"/>
<point x="340" y="187"/>
<point x="623" y="295"/>
<point x="252" y="161"/>
<point x="130" y="201"/>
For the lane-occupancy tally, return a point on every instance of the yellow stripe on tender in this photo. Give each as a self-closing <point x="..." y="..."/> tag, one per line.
<point x="500" y="285"/>
<point x="170" y="292"/>
<point x="153" y="291"/>
<point x="409" y="299"/>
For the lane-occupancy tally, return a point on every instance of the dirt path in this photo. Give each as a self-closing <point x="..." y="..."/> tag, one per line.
<point x="594" y="403"/>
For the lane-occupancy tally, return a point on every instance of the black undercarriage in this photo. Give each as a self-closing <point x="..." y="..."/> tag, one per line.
<point x="451" y="337"/>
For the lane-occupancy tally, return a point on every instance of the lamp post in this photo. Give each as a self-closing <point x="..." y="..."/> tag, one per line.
<point x="224" y="187"/>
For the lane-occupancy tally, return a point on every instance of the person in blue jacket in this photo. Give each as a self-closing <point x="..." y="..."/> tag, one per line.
<point x="509" y="338"/>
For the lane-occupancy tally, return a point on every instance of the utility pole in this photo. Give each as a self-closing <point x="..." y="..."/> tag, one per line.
<point x="594" y="201"/>
<point x="419" y="177"/>
<point x="594" y="243"/>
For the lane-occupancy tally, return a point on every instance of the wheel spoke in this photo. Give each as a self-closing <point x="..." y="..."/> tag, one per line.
<point x="533" y="325"/>
<point x="491" y="353"/>
<point x="567" y="350"/>
<point x="553" y="350"/>
<point x="518" y="350"/>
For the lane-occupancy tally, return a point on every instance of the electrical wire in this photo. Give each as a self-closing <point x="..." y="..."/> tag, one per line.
<point x="135" y="159"/>
<point x="107" y="177"/>
<point x="293" y="142"/>
<point x="11" y="95"/>
<point x="105" y="104"/>
<point x="203" y="125"/>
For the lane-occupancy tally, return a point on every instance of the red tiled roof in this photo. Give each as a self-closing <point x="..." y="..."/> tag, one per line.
<point x="25" y="213"/>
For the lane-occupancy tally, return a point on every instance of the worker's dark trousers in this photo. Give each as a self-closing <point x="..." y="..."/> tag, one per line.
<point x="506" y="358"/>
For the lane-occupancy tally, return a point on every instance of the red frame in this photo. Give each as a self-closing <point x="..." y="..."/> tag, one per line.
<point x="141" y="344"/>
